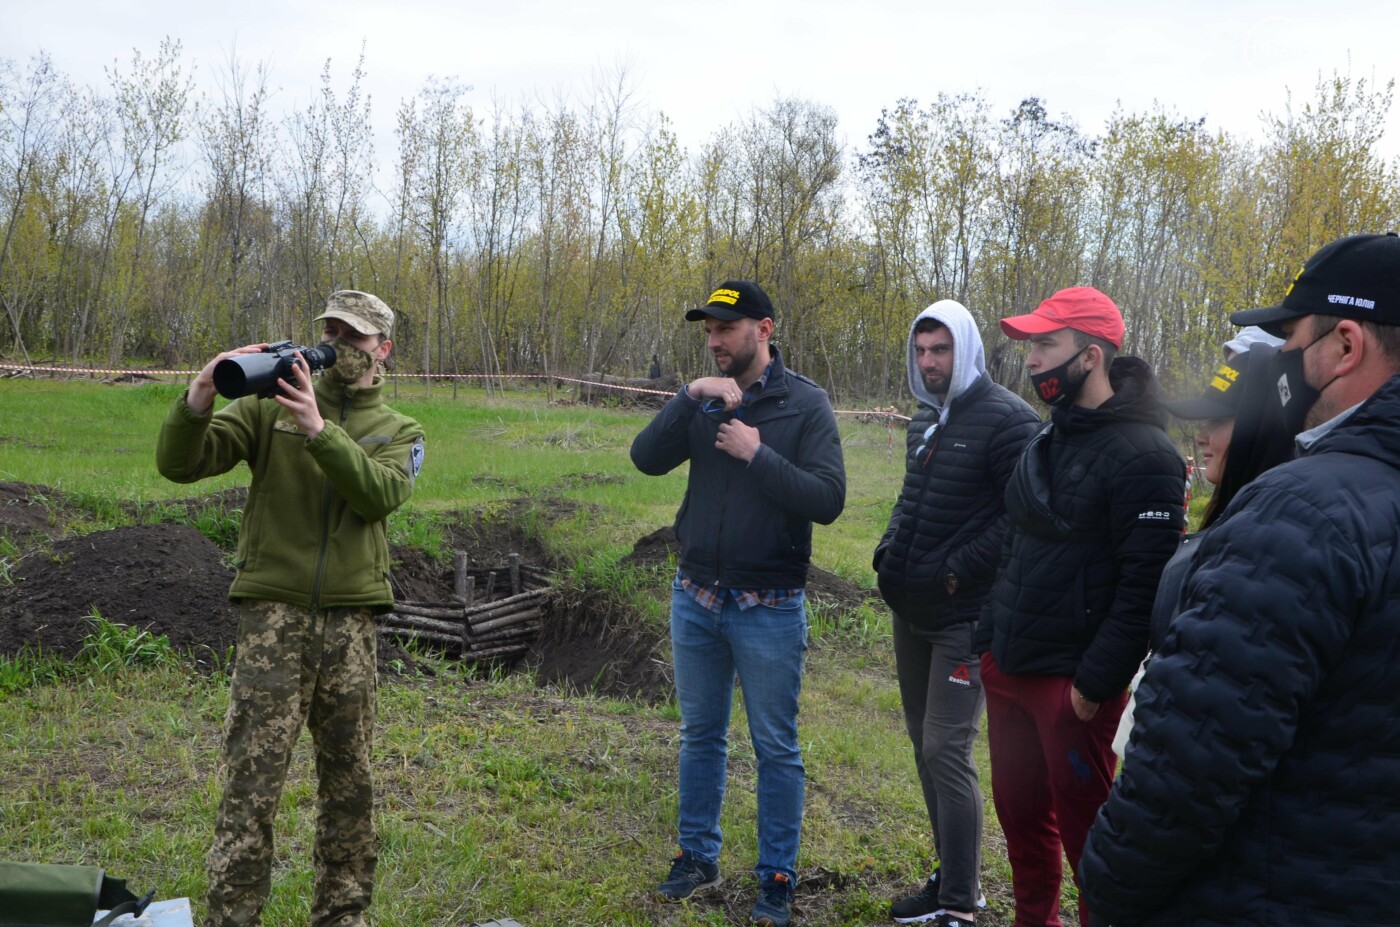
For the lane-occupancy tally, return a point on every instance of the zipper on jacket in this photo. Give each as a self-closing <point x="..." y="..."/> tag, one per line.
<point x="326" y="520"/>
<point x="719" y="530"/>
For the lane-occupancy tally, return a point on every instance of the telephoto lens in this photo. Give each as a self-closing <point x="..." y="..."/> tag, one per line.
<point x="257" y="374"/>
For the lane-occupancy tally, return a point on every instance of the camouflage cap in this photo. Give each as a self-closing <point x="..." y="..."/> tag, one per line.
<point x="365" y="311"/>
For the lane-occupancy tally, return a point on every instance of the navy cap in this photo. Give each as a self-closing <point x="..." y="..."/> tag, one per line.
<point x="1357" y="277"/>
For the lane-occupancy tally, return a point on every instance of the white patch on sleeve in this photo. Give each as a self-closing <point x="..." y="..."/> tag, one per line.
<point x="415" y="459"/>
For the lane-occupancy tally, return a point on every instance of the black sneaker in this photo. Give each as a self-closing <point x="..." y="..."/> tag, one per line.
<point x="774" y="905"/>
<point x="920" y="906"/>
<point x="948" y="919"/>
<point x="689" y="874"/>
<point x="923" y="905"/>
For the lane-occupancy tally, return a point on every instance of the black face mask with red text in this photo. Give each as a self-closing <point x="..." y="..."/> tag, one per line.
<point x="1056" y="387"/>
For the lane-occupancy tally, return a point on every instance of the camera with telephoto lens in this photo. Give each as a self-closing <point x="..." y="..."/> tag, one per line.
<point x="249" y="374"/>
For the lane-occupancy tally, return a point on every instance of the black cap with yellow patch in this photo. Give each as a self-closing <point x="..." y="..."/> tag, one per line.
<point x="734" y="299"/>
<point x="1225" y="387"/>
<point x="1220" y="399"/>
<point x="1357" y="277"/>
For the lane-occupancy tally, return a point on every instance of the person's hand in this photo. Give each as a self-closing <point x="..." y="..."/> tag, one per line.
<point x="201" y="392"/>
<point x="1083" y="708"/>
<point x="300" y="399"/>
<point x="722" y="388"/>
<point x="738" y="440"/>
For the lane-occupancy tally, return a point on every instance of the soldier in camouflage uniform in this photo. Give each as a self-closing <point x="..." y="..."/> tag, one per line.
<point x="330" y="461"/>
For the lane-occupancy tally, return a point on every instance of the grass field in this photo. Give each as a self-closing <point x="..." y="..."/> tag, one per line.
<point x="495" y="797"/>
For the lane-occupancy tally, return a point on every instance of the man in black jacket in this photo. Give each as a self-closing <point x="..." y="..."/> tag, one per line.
<point x="1096" y="506"/>
<point x="1260" y="783"/>
<point x="936" y="563"/>
<point x="765" y="462"/>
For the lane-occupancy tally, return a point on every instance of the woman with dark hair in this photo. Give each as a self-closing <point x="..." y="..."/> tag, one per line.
<point x="1241" y="434"/>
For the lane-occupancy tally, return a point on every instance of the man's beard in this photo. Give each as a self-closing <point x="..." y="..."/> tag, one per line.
<point x="740" y="360"/>
<point x="936" y="383"/>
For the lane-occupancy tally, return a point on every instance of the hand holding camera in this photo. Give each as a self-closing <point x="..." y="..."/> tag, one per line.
<point x="200" y="394"/>
<point x="280" y="370"/>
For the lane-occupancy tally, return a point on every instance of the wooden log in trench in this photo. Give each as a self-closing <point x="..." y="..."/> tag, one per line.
<point x="427" y="624"/>
<point x="487" y="610"/>
<point x="508" y="634"/>
<point x="510" y="650"/>
<point x="507" y="621"/>
<point x="443" y="612"/>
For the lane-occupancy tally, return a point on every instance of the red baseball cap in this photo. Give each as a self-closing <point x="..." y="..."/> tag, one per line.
<point x="1082" y="308"/>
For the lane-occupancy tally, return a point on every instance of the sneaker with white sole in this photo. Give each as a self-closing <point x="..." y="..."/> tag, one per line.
<point x="923" y="906"/>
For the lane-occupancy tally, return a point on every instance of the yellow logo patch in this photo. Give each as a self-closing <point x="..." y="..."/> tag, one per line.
<point x="1224" y="378"/>
<point x="729" y="297"/>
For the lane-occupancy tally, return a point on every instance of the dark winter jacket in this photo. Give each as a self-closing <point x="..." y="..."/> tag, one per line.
<point x="1262" y="780"/>
<point x="749" y="525"/>
<point x="1169" y="590"/>
<point x="1096" y="506"/>
<point x="950" y="518"/>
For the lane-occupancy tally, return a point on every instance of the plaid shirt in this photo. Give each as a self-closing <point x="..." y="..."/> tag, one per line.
<point x="711" y="598"/>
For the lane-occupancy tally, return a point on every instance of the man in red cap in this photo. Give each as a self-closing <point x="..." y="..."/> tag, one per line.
<point x="1096" y="510"/>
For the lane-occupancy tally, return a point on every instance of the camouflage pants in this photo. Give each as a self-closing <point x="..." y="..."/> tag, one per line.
<point x="293" y="665"/>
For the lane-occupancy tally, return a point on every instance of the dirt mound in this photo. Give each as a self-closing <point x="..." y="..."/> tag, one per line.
<point x="166" y="579"/>
<point x="660" y="547"/>
<point x="170" y="580"/>
<point x="25" y="511"/>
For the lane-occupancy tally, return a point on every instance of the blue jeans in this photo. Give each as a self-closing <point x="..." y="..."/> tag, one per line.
<point x="765" y="646"/>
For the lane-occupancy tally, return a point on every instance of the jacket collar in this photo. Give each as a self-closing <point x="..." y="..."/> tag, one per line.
<point x="1137" y="397"/>
<point x="1371" y="429"/>
<point x="329" y="390"/>
<point x="776" y="384"/>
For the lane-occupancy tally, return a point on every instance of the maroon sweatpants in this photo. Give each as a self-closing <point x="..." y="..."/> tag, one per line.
<point x="1050" y="774"/>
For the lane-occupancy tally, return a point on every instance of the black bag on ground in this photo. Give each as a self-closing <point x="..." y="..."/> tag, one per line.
<point x="40" y="895"/>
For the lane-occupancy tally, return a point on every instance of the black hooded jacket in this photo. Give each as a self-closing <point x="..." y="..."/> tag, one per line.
<point x="950" y="518"/>
<point x="1097" y="509"/>
<point x="1262" y="781"/>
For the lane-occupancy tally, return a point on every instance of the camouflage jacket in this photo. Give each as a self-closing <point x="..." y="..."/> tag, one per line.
<point x="313" y="530"/>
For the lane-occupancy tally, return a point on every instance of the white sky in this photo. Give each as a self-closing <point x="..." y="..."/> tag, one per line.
<point x="708" y="63"/>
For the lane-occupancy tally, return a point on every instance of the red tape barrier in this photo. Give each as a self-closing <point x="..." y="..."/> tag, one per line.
<point x="81" y="371"/>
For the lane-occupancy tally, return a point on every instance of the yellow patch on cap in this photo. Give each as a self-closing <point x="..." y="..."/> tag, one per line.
<point x="728" y="297"/>
<point x="1295" y="280"/>
<point x="1224" y="378"/>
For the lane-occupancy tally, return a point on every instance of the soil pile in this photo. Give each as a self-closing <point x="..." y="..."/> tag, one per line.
<point x="170" y="580"/>
<point x="166" y="579"/>
<point x="25" y="511"/>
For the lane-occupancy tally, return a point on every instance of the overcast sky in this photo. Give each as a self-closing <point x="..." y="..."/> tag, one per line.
<point x="708" y="63"/>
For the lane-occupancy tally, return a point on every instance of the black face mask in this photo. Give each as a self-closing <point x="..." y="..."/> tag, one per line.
<point x="1056" y="387"/>
<point x="1295" y="394"/>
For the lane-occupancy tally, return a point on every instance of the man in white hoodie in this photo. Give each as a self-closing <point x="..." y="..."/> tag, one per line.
<point x="936" y="563"/>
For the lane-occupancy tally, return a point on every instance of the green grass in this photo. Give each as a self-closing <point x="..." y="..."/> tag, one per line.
<point x="495" y="798"/>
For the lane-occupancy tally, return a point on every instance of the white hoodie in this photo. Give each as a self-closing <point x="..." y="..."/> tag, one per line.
<point x="969" y="359"/>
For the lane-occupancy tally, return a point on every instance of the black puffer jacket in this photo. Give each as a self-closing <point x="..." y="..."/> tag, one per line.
<point x="950" y="517"/>
<point x="749" y="526"/>
<point x="1262" y="780"/>
<point x="1096" y="505"/>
